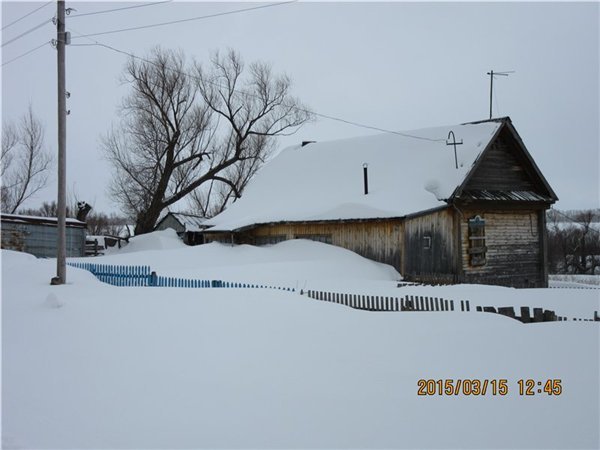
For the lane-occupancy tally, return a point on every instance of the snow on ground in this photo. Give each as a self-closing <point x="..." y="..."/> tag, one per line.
<point x="587" y="281"/>
<point x="304" y="264"/>
<point x="291" y="263"/>
<point x="88" y="365"/>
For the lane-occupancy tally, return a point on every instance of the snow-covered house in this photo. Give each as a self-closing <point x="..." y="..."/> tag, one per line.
<point x="187" y="226"/>
<point x="474" y="215"/>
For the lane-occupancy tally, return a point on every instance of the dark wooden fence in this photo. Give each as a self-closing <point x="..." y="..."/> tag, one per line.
<point x="386" y="303"/>
<point x="425" y="303"/>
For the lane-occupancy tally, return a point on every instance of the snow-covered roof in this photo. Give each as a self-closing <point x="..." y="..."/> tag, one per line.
<point x="190" y="222"/>
<point x="15" y="218"/>
<point x="407" y="173"/>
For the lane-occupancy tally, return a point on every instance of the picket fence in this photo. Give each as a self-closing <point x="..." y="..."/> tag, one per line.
<point x="118" y="275"/>
<point x="133" y="276"/>
<point x="384" y="303"/>
<point x="424" y="303"/>
<point x="130" y="276"/>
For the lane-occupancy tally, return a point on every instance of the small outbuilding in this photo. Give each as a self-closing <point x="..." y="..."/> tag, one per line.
<point x="39" y="235"/>
<point x="473" y="212"/>
<point x="189" y="227"/>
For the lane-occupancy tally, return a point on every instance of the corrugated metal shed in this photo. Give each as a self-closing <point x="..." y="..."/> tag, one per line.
<point x="38" y="235"/>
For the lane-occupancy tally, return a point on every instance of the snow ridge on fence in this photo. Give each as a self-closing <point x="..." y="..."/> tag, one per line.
<point x="144" y="276"/>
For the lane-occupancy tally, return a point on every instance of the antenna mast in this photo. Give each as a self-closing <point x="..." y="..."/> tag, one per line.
<point x="492" y="74"/>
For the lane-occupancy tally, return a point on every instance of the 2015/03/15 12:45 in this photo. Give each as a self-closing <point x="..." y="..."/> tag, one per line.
<point x="499" y="387"/>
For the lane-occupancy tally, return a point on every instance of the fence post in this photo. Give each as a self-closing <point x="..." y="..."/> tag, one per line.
<point x="152" y="279"/>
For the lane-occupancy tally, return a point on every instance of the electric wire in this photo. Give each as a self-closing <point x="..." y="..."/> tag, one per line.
<point x="324" y="116"/>
<point x="26" y="15"/>
<point x="73" y="16"/>
<point x="25" y="33"/>
<point x="189" y="19"/>
<point x="556" y="211"/>
<point x="25" y="54"/>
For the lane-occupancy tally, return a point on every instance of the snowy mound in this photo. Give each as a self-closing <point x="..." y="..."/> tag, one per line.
<point x="157" y="240"/>
<point x="288" y="261"/>
<point x="296" y="259"/>
<point x="11" y="258"/>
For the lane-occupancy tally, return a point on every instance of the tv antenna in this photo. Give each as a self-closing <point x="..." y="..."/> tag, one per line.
<point x="492" y="74"/>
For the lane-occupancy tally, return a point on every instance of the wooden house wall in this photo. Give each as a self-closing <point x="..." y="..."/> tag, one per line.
<point x="503" y="168"/>
<point x="514" y="244"/>
<point x="377" y="240"/>
<point x="430" y="243"/>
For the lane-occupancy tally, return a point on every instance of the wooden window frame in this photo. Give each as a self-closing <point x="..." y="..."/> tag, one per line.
<point x="477" y="249"/>
<point x="427" y="242"/>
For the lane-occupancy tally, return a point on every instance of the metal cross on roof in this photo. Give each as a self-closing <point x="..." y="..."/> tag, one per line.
<point x="454" y="143"/>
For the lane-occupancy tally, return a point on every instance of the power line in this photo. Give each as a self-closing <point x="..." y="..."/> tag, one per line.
<point x="121" y="30"/>
<point x="26" y="15"/>
<point x="117" y="9"/>
<point x="556" y="211"/>
<point x="325" y="116"/>
<point x="31" y="30"/>
<point x="25" y="54"/>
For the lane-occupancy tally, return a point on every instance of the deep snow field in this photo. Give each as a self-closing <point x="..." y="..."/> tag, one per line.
<point x="88" y="365"/>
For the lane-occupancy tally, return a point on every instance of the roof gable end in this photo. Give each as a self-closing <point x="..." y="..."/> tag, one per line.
<point x="505" y="170"/>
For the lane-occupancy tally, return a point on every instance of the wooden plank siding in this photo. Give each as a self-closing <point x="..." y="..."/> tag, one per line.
<point x="514" y="249"/>
<point x="430" y="246"/>
<point x="379" y="240"/>
<point x="502" y="168"/>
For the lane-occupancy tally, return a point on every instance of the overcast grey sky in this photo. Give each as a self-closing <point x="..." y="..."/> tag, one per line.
<point x="392" y="65"/>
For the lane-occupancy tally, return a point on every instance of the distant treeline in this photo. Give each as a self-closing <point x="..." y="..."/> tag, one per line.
<point x="98" y="223"/>
<point x="574" y="241"/>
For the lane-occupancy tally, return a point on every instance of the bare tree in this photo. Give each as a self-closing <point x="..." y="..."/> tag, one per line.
<point x="182" y="133"/>
<point x="574" y="241"/>
<point x="25" y="163"/>
<point x="215" y="196"/>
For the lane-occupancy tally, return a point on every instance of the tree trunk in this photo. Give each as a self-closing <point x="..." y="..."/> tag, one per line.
<point x="146" y="220"/>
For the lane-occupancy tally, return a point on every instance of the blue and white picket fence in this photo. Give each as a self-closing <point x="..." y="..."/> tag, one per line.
<point x="118" y="275"/>
<point x="144" y="276"/>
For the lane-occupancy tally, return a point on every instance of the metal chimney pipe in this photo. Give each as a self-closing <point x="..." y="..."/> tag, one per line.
<point x="366" y="178"/>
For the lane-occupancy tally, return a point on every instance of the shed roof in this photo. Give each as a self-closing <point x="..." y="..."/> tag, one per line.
<point x="407" y="173"/>
<point x="38" y="220"/>
<point x="189" y="222"/>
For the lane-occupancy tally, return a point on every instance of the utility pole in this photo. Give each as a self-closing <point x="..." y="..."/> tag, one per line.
<point x="491" y="73"/>
<point x="61" y="41"/>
